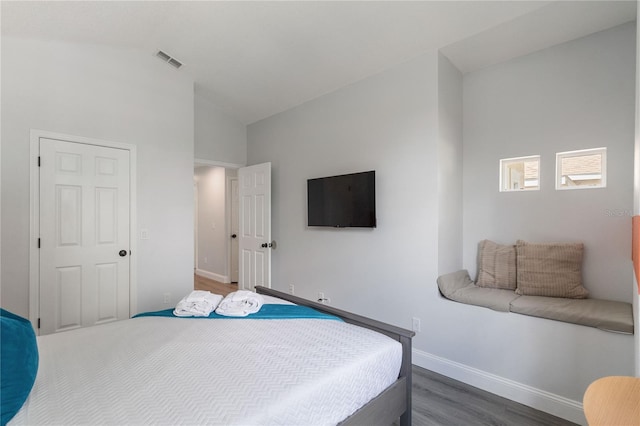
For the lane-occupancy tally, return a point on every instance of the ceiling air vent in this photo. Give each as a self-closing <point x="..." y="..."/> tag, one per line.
<point x="168" y="59"/>
<point x="175" y="63"/>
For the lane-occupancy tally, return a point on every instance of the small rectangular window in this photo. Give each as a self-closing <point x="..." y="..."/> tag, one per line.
<point x="583" y="169"/>
<point x="520" y="174"/>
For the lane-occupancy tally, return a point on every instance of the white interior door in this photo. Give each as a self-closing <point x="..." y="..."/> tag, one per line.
<point x="235" y="222"/>
<point x="255" y="226"/>
<point x="84" y="235"/>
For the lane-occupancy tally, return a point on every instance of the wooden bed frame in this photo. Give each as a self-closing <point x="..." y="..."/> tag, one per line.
<point x="395" y="401"/>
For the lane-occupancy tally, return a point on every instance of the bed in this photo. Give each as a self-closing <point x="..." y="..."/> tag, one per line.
<point x="348" y="370"/>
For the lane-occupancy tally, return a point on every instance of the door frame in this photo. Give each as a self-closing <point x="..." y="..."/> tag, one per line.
<point x="34" y="227"/>
<point x="196" y="194"/>
<point x="229" y="219"/>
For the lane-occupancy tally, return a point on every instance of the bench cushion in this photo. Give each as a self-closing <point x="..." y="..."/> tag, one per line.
<point x="459" y="287"/>
<point x="603" y="314"/>
<point x="606" y="315"/>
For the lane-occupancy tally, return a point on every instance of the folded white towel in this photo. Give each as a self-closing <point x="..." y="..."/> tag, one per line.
<point x="240" y="304"/>
<point x="199" y="296"/>
<point x="198" y="303"/>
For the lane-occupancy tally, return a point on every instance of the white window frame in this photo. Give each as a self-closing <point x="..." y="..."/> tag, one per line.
<point x="504" y="162"/>
<point x="579" y="153"/>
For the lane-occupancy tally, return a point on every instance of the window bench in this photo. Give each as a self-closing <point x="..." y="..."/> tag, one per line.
<point x="605" y="315"/>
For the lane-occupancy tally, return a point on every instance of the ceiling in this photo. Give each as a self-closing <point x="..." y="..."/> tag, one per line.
<point x="255" y="59"/>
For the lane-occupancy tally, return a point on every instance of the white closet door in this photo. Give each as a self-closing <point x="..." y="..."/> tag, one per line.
<point x="84" y="235"/>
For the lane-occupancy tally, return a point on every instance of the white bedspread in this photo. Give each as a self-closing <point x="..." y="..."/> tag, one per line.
<point x="155" y="370"/>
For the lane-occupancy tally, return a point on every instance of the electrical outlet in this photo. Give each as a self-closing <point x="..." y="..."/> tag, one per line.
<point x="291" y="289"/>
<point x="416" y="324"/>
<point x="166" y="298"/>
<point x="206" y="259"/>
<point x="322" y="299"/>
<point x="144" y="234"/>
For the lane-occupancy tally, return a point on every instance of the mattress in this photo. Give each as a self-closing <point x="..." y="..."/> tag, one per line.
<point x="155" y="370"/>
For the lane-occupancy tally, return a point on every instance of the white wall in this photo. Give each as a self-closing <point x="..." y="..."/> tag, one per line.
<point x="573" y="96"/>
<point x="636" y="197"/>
<point x="449" y="167"/>
<point x="387" y="123"/>
<point x="212" y="231"/>
<point x="218" y="137"/>
<point x="106" y="93"/>
<point x="220" y="140"/>
<point x="400" y="124"/>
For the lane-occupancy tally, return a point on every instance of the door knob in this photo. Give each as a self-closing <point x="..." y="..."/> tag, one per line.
<point x="233" y="235"/>
<point x="122" y="253"/>
<point x="264" y="245"/>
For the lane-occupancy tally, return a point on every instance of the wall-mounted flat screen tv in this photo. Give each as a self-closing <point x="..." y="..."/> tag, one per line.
<point x="342" y="201"/>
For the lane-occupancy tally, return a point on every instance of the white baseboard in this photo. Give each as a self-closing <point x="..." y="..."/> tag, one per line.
<point x="213" y="276"/>
<point x="536" y="398"/>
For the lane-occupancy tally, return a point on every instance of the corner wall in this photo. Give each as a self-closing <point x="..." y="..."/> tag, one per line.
<point x="391" y="122"/>
<point x="220" y="140"/>
<point x="218" y="137"/>
<point x="387" y="123"/>
<point x="121" y="95"/>
<point x="572" y="96"/>
<point x="636" y="196"/>
<point x="449" y="167"/>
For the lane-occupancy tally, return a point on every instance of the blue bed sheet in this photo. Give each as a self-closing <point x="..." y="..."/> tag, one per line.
<point x="267" y="311"/>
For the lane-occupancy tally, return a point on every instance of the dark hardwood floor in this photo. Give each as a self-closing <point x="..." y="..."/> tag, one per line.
<point x="439" y="400"/>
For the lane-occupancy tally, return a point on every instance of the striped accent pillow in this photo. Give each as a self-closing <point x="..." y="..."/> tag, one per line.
<point x="551" y="269"/>
<point x="496" y="265"/>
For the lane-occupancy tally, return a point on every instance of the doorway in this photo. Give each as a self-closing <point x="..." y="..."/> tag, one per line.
<point x="251" y="213"/>
<point x="216" y="219"/>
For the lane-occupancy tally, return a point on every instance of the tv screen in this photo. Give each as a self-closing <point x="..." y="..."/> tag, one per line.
<point x="342" y="201"/>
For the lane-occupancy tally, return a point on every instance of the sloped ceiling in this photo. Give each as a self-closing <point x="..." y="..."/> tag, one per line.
<point x="255" y="59"/>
